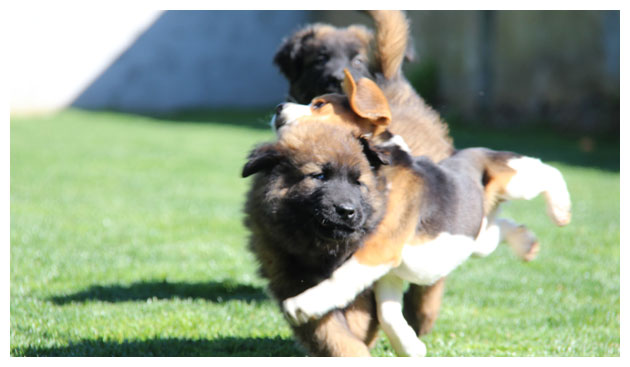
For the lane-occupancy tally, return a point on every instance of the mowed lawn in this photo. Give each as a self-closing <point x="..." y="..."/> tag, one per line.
<point x="127" y="240"/>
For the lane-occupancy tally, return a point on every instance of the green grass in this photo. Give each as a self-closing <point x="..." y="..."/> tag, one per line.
<point x="126" y="239"/>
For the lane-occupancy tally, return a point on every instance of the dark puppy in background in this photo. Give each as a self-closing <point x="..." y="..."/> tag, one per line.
<point x="313" y="59"/>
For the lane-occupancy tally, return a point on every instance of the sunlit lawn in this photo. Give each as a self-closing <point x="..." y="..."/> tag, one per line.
<point x="126" y="239"/>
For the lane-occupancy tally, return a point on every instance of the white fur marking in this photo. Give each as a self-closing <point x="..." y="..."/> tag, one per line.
<point x="488" y="239"/>
<point x="388" y="292"/>
<point x="533" y="178"/>
<point x="336" y="292"/>
<point x="398" y="141"/>
<point x="426" y="263"/>
<point x="290" y="113"/>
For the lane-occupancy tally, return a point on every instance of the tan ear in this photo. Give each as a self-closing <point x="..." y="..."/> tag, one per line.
<point x="367" y="100"/>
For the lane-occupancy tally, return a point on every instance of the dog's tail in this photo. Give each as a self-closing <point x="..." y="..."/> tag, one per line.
<point x="392" y="38"/>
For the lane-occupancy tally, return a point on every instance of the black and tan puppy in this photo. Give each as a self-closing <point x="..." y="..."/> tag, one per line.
<point x="422" y="221"/>
<point x="302" y="228"/>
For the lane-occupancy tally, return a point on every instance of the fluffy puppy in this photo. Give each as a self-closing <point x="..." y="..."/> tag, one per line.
<point x="313" y="60"/>
<point x="311" y="201"/>
<point x="434" y="217"/>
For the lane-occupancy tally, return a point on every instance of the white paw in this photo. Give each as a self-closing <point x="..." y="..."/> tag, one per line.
<point x="417" y="350"/>
<point x="559" y="208"/>
<point x="295" y="311"/>
<point x="557" y="197"/>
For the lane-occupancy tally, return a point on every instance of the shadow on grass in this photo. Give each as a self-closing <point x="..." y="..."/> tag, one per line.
<point x="140" y="291"/>
<point x="169" y="347"/>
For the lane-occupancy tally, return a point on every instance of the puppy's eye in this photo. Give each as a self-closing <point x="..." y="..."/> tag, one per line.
<point x="322" y="57"/>
<point x="356" y="180"/>
<point x="358" y="60"/>
<point x="318" y="104"/>
<point x="321" y="176"/>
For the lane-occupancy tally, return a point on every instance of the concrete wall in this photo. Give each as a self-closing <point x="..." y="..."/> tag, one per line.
<point x="197" y="59"/>
<point x="147" y="61"/>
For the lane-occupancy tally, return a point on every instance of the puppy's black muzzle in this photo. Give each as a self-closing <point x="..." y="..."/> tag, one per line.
<point x="278" y="119"/>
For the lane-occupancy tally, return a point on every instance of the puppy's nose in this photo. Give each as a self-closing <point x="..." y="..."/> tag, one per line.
<point x="345" y="210"/>
<point x="279" y="108"/>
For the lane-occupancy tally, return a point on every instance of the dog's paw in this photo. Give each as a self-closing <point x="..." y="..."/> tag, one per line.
<point x="559" y="208"/>
<point x="557" y="197"/>
<point x="416" y="350"/>
<point x="523" y="242"/>
<point x="295" y="313"/>
<point x="532" y="253"/>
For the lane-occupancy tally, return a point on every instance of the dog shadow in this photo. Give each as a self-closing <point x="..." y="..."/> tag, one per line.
<point x="170" y="347"/>
<point x="141" y="291"/>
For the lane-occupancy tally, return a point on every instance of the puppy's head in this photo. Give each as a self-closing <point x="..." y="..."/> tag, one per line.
<point x="363" y="108"/>
<point x="313" y="59"/>
<point x="318" y="183"/>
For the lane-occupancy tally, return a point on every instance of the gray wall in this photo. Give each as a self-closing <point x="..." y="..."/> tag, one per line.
<point x="526" y="67"/>
<point x="197" y="59"/>
<point x="558" y="68"/>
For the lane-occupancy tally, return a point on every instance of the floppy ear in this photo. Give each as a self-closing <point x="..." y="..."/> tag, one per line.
<point x="367" y="100"/>
<point x="286" y="57"/>
<point x="291" y="52"/>
<point x="377" y="157"/>
<point x="262" y="158"/>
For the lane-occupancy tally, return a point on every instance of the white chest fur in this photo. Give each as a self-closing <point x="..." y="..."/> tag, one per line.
<point x="424" y="264"/>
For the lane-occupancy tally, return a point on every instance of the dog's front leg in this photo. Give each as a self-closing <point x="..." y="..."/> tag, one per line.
<point x="336" y="292"/>
<point x="389" y="293"/>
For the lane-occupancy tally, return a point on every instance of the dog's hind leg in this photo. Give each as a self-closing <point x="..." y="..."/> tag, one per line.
<point x="389" y="293"/>
<point x="331" y="337"/>
<point x="522" y="241"/>
<point x="532" y="177"/>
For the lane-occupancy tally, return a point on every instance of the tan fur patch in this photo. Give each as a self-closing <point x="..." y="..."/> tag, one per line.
<point x="360" y="320"/>
<point x="499" y="176"/>
<point x="428" y="300"/>
<point x="338" y="339"/>
<point x="384" y="246"/>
